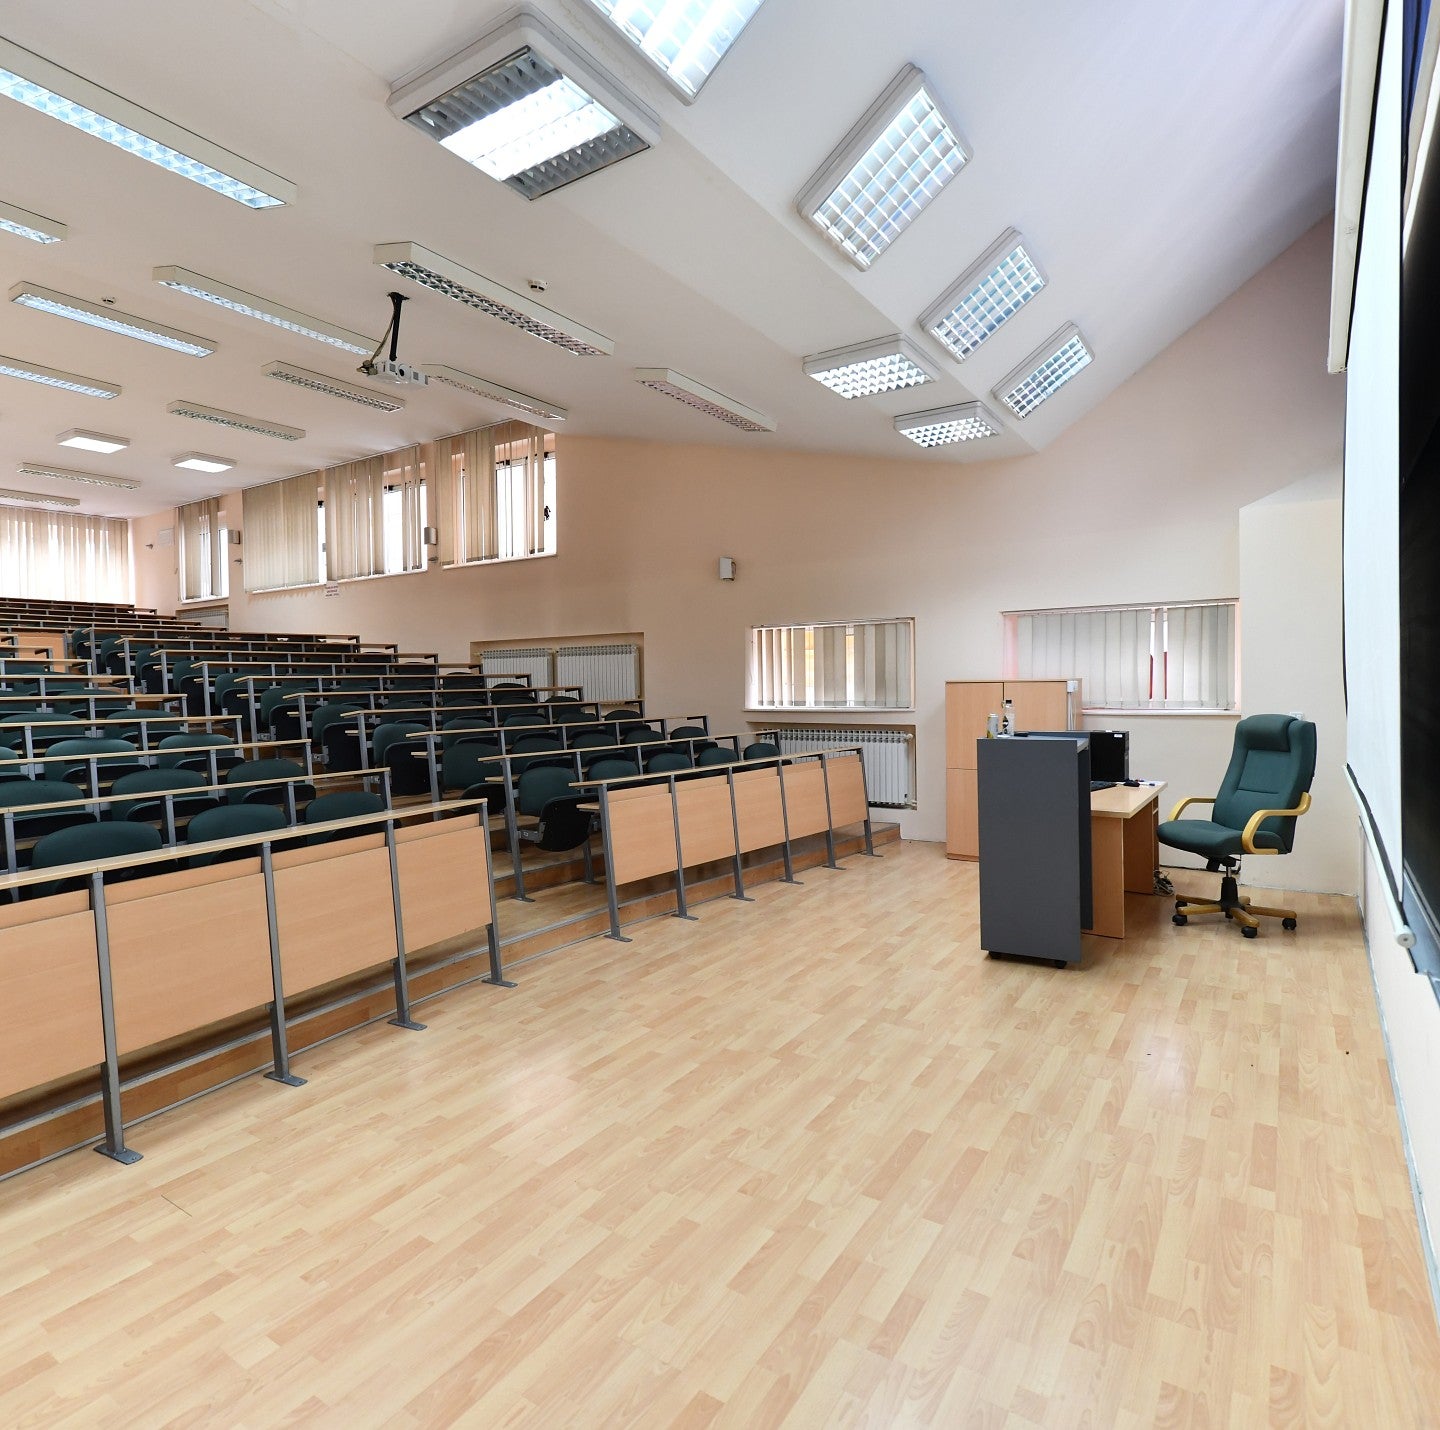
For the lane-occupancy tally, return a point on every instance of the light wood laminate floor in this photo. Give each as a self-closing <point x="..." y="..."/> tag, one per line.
<point x="809" y="1161"/>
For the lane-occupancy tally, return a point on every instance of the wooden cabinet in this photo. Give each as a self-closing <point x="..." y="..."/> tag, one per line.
<point x="1039" y="705"/>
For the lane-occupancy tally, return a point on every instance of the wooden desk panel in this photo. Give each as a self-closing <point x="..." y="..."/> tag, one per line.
<point x="847" y="790"/>
<point x="757" y="807"/>
<point x="642" y="832"/>
<point x="1124" y="851"/>
<point x="444" y="880"/>
<point x="706" y="829"/>
<point x="51" y="984"/>
<point x="805" y="799"/>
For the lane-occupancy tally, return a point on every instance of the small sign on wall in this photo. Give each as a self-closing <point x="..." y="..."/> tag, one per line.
<point x="333" y="589"/>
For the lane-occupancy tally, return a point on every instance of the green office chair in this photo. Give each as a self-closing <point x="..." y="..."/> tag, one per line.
<point x="1265" y="789"/>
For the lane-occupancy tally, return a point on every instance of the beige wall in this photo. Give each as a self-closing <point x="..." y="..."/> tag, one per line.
<point x="1140" y="501"/>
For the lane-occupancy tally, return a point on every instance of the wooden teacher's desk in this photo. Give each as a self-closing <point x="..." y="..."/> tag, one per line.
<point x="1124" y="851"/>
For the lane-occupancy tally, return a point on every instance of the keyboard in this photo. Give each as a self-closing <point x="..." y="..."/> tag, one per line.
<point x="1101" y="784"/>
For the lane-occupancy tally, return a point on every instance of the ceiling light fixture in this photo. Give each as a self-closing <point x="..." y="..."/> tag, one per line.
<point x="110" y="320"/>
<point x="55" y="377"/>
<point x="965" y="422"/>
<point x="92" y="441"/>
<point x="49" y="89"/>
<point x="332" y="386"/>
<point x="524" y="105"/>
<point x="23" y="224"/>
<point x="1045" y="371"/>
<point x="684" y="42"/>
<point x="237" y="300"/>
<point x="237" y="420"/>
<point x="37" y="498"/>
<point x="431" y="270"/>
<point x="989" y="293"/>
<point x="885" y="171"/>
<point x="481" y="387"/>
<point x="865" y="369"/>
<point x="64" y="474"/>
<point x="201" y="462"/>
<point x="703" y="399"/>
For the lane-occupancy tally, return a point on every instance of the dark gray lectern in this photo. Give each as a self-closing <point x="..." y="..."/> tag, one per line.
<point x="1035" y="891"/>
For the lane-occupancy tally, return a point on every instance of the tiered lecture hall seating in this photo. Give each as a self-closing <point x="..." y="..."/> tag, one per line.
<point x="217" y="844"/>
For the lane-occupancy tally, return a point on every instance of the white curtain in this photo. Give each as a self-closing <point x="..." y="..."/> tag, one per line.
<point x="492" y="492"/>
<point x="355" y="519"/>
<point x="56" y="555"/>
<point x="282" y="533"/>
<point x="1134" y="657"/>
<point x="858" y="664"/>
<point x="406" y="473"/>
<point x="202" y="554"/>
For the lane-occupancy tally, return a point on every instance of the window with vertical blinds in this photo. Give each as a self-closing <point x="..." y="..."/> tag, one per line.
<point x="842" y="665"/>
<point x="1136" y="658"/>
<point x="204" y="568"/>
<point x="496" y="494"/>
<point x="59" y="555"/>
<point x="375" y="516"/>
<point x="282" y="545"/>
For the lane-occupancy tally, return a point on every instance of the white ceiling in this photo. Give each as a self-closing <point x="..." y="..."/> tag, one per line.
<point x="1154" y="156"/>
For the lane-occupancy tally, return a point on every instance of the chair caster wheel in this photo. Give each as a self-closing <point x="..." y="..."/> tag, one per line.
<point x="1287" y="923"/>
<point x="1178" y="919"/>
<point x="1251" y="933"/>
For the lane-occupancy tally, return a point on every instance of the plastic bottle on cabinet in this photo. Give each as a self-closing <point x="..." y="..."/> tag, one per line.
<point x="1007" y="717"/>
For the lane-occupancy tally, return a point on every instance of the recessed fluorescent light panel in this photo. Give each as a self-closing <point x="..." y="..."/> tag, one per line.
<point x="64" y="474"/>
<point x="703" y="399"/>
<point x="870" y="368"/>
<point x="332" y="386"/>
<point x="1045" y="371"/>
<point x="92" y="441"/>
<point x="989" y="294"/>
<point x="37" y="498"/>
<point x="110" y="320"/>
<point x="480" y="387"/>
<point x="55" y="377"/>
<point x="683" y="41"/>
<point x="202" y="462"/>
<point x="237" y="420"/>
<point x="45" y="87"/>
<point x="431" y="270"/>
<point x="23" y="224"/>
<point x="886" y="170"/>
<point x="182" y="280"/>
<point x="966" y="422"/>
<point x="523" y="104"/>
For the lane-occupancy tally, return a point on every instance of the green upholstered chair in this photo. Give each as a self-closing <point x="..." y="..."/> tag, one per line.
<point x="717" y="755"/>
<point x="92" y="841"/>
<point x="267" y="793"/>
<point x="343" y="804"/>
<point x="231" y="821"/>
<point x="178" y="784"/>
<point x="1265" y="789"/>
<point x="762" y="750"/>
<point x="667" y="762"/>
<point x="611" y="768"/>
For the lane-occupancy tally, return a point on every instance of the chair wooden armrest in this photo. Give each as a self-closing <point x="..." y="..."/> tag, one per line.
<point x="1247" y="837"/>
<point x="1191" y="799"/>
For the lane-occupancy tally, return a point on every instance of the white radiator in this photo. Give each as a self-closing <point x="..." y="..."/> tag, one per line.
<point x="607" y="672"/>
<point x="534" y="662"/>
<point x="889" y="757"/>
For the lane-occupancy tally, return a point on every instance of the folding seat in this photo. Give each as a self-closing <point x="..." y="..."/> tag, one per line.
<point x="666" y="762"/>
<point x="717" y="755"/>
<point x="277" y="794"/>
<point x="343" y="804"/>
<point x="761" y="750"/>
<point x="612" y="769"/>
<point x="93" y="841"/>
<point x="188" y="752"/>
<point x="106" y="770"/>
<point x="27" y="799"/>
<point x="231" y="822"/>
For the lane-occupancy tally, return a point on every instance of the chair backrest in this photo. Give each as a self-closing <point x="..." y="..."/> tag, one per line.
<point x="468" y="764"/>
<point x="93" y="841"/>
<point x="1271" y="766"/>
<point x="94" y="745"/>
<point x="20" y="794"/>
<point x="542" y="784"/>
<point x="613" y="769"/>
<point x="640" y="734"/>
<point x="263" y="770"/>
<point x="667" y="760"/>
<point x="230" y="821"/>
<point x="174" y="748"/>
<point x="689" y="732"/>
<point x="325" y="715"/>
<point x="344" y="804"/>
<point x="592" y="739"/>
<point x="524" y="717"/>
<point x="391" y="731"/>
<point x="158" y="781"/>
<point x="717" y="755"/>
<point x="621" y="713"/>
<point x="761" y="750"/>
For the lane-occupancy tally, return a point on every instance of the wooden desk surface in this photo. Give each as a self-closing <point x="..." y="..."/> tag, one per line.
<point x="1122" y="801"/>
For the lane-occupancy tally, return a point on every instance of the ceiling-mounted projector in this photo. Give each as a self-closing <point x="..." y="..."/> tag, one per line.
<point x="391" y="369"/>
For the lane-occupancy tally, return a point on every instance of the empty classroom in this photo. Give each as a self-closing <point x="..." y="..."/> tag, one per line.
<point x="719" y="714"/>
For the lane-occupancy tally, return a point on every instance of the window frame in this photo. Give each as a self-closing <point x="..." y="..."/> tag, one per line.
<point x="1159" y="610"/>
